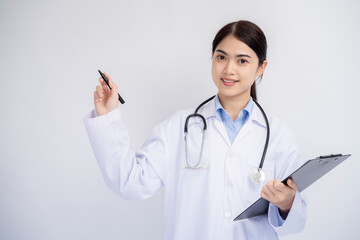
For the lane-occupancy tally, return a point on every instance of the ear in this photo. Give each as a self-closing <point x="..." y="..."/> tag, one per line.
<point x="261" y="68"/>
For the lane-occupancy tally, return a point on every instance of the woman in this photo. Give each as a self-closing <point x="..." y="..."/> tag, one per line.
<point x="205" y="190"/>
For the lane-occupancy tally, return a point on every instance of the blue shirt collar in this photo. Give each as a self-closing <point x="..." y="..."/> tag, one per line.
<point x="221" y="114"/>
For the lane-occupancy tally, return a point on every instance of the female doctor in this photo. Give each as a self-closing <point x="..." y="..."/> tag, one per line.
<point x="207" y="177"/>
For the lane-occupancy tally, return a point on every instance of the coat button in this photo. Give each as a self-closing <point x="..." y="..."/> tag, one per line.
<point x="232" y="154"/>
<point x="227" y="214"/>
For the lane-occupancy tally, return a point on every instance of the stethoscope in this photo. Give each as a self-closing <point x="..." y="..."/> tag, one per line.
<point x="257" y="175"/>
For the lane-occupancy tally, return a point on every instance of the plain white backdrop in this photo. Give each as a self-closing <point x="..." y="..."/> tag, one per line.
<point x="158" y="52"/>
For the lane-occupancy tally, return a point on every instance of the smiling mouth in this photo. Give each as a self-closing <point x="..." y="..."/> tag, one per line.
<point x="229" y="81"/>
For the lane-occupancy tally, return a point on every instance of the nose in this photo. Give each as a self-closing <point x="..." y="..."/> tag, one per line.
<point x="229" y="68"/>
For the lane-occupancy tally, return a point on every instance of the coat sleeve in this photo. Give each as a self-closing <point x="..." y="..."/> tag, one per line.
<point x="296" y="218"/>
<point x="132" y="175"/>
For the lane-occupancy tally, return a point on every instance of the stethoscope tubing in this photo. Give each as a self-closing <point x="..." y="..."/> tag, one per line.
<point x="195" y="114"/>
<point x="267" y="135"/>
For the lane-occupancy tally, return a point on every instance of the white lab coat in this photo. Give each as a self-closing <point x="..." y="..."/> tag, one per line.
<point x="200" y="204"/>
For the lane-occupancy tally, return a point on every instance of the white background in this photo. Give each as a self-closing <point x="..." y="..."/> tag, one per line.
<point x="158" y="52"/>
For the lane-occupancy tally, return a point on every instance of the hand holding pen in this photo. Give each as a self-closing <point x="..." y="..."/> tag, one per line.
<point x="107" y="82"/>
<point x="106" y="96"/>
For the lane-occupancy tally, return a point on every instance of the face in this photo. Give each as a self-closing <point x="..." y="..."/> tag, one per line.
<point x="234" y="68"/>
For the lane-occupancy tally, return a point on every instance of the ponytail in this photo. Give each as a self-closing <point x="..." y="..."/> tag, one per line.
<point x="253" y="91"/>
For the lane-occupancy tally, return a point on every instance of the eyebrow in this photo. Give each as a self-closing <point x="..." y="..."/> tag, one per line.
<point x="239" y="55"/>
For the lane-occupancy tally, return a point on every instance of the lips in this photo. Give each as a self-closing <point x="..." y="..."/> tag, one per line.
<point x="229" y="82"/>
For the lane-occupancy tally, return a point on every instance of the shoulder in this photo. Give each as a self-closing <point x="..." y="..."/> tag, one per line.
<point x="278" y="128"/>
<point x="280" y="132"/>
<point x="284" y="148"/>
<point x="176" y="120"/>
<point x="280" y="125"/>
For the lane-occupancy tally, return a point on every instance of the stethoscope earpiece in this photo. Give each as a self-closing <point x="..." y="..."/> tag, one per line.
<point x="257" y="176"/>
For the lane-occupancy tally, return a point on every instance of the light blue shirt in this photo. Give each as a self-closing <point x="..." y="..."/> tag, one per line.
<point x="234" y="127"/>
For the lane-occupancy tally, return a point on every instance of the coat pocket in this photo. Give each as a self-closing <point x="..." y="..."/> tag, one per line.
<point x="252" y="190"/>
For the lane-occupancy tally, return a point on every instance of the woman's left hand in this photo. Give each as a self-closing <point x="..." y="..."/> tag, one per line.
<point x="279" y="194"/>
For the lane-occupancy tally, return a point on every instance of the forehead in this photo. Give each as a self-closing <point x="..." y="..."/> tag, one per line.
<point x="232" y="46"/>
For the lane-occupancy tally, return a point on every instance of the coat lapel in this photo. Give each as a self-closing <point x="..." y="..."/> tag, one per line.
<point x="209" y="113"/>
<point x="255" y="118"/>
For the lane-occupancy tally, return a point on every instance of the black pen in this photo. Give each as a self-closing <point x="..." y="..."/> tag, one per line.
<point x="107" y="83"/>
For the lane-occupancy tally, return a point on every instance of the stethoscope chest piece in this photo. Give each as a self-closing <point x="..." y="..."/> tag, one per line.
<point x="257" y="176"/>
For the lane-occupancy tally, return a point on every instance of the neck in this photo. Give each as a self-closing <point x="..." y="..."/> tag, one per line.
<point x="233" y="105"/>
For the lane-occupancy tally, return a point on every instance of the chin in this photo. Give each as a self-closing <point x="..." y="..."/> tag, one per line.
<point x="232" y="93"/>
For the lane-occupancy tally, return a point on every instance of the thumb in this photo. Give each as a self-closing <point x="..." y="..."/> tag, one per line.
<point x="292" y="184"/>
<point x="111" y="83"/>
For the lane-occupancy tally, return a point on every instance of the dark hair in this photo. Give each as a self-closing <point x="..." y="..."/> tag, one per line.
<point x="250" y="34"/>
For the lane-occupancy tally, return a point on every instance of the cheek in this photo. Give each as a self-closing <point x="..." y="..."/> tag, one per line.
<point x="216" y="69"/>
<point x="248" y="73"/>
<point x="254" y="70"/>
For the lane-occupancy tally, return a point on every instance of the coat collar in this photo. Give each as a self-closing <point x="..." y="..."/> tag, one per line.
<point x="209" y="111"/>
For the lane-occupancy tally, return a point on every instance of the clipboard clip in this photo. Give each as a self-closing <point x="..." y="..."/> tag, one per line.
<point x="331" y="155"/>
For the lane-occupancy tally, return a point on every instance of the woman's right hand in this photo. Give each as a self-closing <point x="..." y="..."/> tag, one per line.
<point x="105" y="100"/>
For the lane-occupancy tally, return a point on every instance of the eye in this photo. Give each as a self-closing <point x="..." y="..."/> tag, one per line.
<point x="220" y="57"/>
<point x="243" y="61"/>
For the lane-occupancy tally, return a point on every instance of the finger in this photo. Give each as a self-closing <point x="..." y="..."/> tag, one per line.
<point x="104" y="86"/>
<point x="292" y="184"/>
<point x="114" y="88"/>
<point x="268" y="191"/>
<point x="264" y="195"/>
<point x="274" y="190"/>
<point x="111" y="83"/>
<point x="279" y="186"/>
<point x="107" y="76"/>
<point x="96" y="97"/>
<point x="99" y="91"/>
<point x="109" y="79"/>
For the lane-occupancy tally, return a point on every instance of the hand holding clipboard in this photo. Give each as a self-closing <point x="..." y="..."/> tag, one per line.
<point x="304" y="176"/>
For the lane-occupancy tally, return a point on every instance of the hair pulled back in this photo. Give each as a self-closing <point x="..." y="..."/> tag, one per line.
<point x="250" y="34"/>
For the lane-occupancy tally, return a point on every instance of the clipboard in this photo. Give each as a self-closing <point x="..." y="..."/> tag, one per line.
<point x="304" y="176"/>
